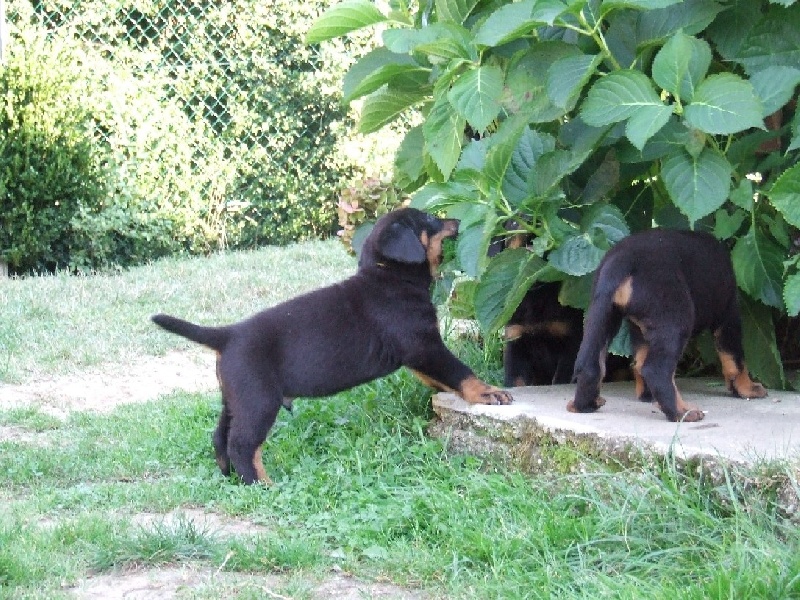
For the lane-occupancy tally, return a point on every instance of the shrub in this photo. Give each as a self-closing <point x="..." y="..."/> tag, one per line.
<point x="584" y="120"/>
<point x="48" y="170"/>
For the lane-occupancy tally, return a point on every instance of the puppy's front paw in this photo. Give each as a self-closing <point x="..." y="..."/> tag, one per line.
<point x="475" y="391"/>
<point x="497" y="396"/>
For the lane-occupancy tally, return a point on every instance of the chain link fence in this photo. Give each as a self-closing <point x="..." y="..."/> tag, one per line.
<point x="220" y="106"/>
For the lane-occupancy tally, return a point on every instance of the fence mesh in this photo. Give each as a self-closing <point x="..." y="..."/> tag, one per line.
<point x="260" y="106"/>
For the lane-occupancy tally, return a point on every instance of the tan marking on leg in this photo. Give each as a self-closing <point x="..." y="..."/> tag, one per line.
<point x="513" y="332"/>
<point x="622" y="295"/>
<point x="258" y="465"/>
<point x="475" y="391"/>
<point x="430" y="382"/>
<point x="686" y="412"/>
<point x="520" y="382"/>
<point x="518" y="240"/>
<point x="223" y="465"/>
<point x="738" y="381"/>
<point x="638" y="363"/>
<point x="558" y="328"/>
<point x="747" y="388"/>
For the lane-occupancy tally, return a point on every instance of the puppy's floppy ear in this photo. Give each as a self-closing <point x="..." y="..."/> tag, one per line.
<point x="399" y="242"/>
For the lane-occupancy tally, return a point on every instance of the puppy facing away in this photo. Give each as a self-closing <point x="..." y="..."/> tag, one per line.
<point x="335" y="338"/>
<point x="670" y="285"/>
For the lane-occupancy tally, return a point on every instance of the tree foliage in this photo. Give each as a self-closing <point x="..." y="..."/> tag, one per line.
<point x="581" y="121"/>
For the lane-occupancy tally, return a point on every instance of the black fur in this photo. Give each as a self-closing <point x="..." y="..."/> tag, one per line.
<point x="335" y="338"/>
<point x="670" y="285"/>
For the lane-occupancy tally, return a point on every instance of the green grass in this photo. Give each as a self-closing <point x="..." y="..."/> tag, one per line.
<point x="359" y="487"/>
<point x="56" y="324"/>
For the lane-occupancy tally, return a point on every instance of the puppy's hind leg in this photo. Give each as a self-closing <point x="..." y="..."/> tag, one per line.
<point x="602" y="322"/>
<point x="253" y="416"/>
<point x="658" y="371"/>
<point x="728" y="341"/>
<point x="220" y="439"/>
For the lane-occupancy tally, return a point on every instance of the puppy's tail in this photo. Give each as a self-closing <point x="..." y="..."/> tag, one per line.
<point x="213" y="337"/>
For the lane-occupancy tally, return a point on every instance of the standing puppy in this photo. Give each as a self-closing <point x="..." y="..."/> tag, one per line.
<point x="670" y="285"/>
<point x="335" y="338"/>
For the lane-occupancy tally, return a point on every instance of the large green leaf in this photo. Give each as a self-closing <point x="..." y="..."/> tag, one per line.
<point x="758" y="264"/>
<point x="723" y="104"/>
<point x="408" y="161"/>
<point x="550" y="170"/>
<point x="505" y="282"/>
<point x="343" y="18"/>
<point x="516" y="19"/>
<point x="577" y="255"/>
<point x="502" y="146"/>
<point x="471" y="247"/>
<point x="791" y="295"/>
<point x="690" y="16"/>
<point x="609" y="221"/>
<point x="645" y="123"/>
<point x="732" y="27"/>
<point x="681" y="64"/>
<point x="794" y="144"/>
<point x="446" y="41"/>
<point x="444" y="131"/>
<point x="639" y="4"/>
<point x="775" y="86"/>
<point x="528" y="75"/>
<point x="517" y="181"/>
<point x="508" y="22"/>
<point x="476" y="96"/>
<point x="455" y="11"/>
<point x="617" y="97"/>
<point x="774" y="41"/>
<point x="381" y="67"/>
<point x="760" y="347"/>
<point x="785" y="195"/>
<point x="384" y="106"/>
<point x="567" y="76"/>
<point x="698" y="186"/>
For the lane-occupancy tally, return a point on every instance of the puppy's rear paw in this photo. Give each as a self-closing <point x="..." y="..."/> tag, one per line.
<point x="692" y="415"/>
<point x="588" y="407"/>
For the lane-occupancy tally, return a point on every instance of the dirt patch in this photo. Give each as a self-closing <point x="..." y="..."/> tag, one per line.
<point x="188" y="582"/>
<point x="212" y="523"/>
<point x="103" y="389"/>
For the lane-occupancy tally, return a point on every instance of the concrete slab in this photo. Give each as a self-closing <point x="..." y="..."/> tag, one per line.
<point x="734" y="430"/>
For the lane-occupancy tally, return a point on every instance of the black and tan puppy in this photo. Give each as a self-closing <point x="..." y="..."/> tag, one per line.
<point x="670" y="285"/>
<point x="335" y="338"/>
<point x="542" y="339"/>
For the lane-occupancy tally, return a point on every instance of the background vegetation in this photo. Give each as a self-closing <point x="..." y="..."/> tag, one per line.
<point x="577" y="122"/>
<point x="132" y="132"/>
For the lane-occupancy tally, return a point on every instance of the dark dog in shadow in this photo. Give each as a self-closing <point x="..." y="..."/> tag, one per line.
<point x="669" y="285"/>
<point x="542" y="338"/>
<point x="335" y="338"/>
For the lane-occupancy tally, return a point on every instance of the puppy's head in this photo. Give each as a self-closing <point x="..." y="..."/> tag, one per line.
<point x="407" y="237"/>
